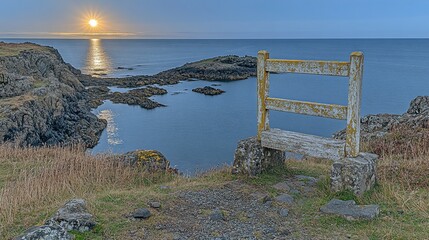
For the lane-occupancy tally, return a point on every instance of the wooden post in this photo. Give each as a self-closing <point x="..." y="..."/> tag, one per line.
<point x="263" y="89"/>
<point x="354" y="103"/>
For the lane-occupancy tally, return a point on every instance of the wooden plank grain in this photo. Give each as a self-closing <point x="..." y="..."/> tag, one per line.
<point x="308" y="108"/>
<point x="332" y="68"/>
<point x="262" y="93"/>
<point x="354" y="105"/>
<point x="306" y="144"/>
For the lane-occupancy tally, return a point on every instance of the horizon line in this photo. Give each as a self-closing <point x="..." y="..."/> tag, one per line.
<point x="147" y="38"/>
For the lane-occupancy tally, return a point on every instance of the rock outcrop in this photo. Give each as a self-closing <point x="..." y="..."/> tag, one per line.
<point x="219" y="68"/>
<point x="41" y="99"/>
<point x="226" y="68"/>
<point x="208" y="91"/>
<point x="378" y="125"/>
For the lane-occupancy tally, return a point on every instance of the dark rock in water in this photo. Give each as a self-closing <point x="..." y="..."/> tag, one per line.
<point x="252" y="159"/>
<point x="216" y="85"/>
<point x="142" y="213"/>
<point x="138" y="97"/>
<point x="349" y="209"/>
<point x="149" y="160"/>
<point x="42" y="102"/>
<point x="379" y="125"/>
<point x="208" y="91"/>
<point x="73" y="216"/>
<point x="125" y="68"/>
<point x="54" y="232"/>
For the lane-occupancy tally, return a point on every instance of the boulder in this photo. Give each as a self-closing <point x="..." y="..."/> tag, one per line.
<point x="355" y="174"/>
<point x="349" y="209"/>
<point x="150" y="160"/>
<point x="252" y="159"/>
<point x="46" y="232"/>
<point x="73" y="216"/>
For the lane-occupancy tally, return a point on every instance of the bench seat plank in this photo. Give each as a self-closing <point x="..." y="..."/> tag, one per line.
<point x="306" y="144"/>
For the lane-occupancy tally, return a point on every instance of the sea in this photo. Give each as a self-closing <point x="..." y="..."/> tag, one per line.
<point x="197" y="132"/>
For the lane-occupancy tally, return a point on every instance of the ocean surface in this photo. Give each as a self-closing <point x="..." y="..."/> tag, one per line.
<point x="197" y="132"/>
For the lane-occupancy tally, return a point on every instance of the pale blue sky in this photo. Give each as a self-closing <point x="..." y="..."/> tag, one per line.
<point x="218" y="18"/>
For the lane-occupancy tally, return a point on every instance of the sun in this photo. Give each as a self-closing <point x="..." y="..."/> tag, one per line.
<point x="93" y="23"/>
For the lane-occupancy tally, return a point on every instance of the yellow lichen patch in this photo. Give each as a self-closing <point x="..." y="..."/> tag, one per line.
<point x="147" y="155"/>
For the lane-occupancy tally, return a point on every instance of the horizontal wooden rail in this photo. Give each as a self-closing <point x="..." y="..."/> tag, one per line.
<point x="307" y="108"/>
<point x="331" y="68"/>
<point x="310" y="145"/>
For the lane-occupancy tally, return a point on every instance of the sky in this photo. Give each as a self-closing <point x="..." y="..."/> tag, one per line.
<point x="215" y="19"/>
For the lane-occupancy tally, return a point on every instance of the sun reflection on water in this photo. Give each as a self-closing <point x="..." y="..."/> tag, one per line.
<point x="112" y="130"/>
<point x="98" y="63"/>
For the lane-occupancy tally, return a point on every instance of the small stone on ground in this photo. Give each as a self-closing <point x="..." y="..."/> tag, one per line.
<point x="284" y="212"/>
<point x="285" y="198"/>
<point x="155" y="204"/>
<point x="142" y="213"/>
<point x="282" y="186"/>
<point x="217" y="215"/>
<point x="350" y="210"/>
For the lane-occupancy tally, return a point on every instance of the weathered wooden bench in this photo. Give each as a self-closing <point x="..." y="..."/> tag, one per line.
<point x="310" y="145"/>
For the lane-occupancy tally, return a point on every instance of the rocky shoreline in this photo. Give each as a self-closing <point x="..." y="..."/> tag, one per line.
<point x="46" y="101"/>
<point x="42" y="102"/>
<point x="377" y="126"/>
<point x="224" y="68"/>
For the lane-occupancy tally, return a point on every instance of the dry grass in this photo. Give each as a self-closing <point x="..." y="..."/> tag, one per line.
<point x="404" y="157"/>
<point x="36" y="180"/>
<point x="11" y="49"/>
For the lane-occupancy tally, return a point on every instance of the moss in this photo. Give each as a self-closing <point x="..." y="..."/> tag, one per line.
<point x="39" y="84"/>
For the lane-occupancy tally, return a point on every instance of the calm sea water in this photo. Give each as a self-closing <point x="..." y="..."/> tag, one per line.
<point x="198" y="132"/>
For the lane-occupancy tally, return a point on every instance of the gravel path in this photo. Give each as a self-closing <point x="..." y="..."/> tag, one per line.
<point x="235" y="210"/>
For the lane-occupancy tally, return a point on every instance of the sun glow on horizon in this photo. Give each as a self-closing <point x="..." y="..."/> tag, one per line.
<point x="93" y="23"/>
